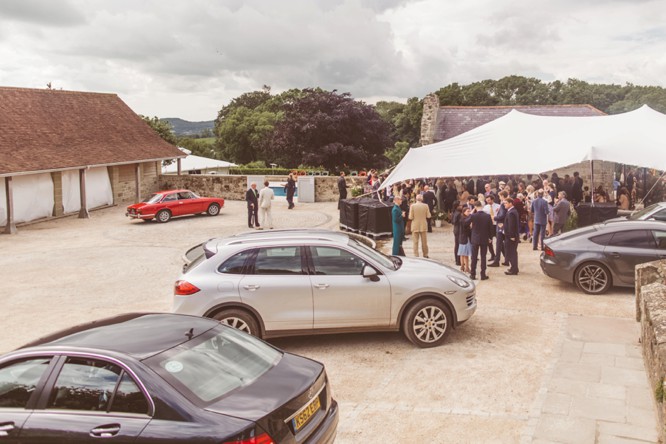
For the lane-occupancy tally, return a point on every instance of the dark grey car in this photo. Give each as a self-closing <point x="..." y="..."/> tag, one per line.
<point x="598" y="257"/>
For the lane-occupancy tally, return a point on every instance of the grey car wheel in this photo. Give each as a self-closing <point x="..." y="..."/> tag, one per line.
<point x="213" y="210"/>
<point x="238" y="319"/>
<point x="163" y="216"/>
<point x="427" y="323"/>
<point x="593" y="278"/>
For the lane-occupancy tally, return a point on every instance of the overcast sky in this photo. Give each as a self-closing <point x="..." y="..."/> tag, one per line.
<point x="188" y="58"/>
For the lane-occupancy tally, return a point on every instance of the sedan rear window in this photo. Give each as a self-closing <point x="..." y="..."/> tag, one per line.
<point x="602" y="239"/>
<point x="632" y="239"/>
<point x="215" y="364"/>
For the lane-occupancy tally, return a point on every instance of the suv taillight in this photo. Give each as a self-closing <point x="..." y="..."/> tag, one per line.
<point x="264" y="438"/>
<point x="184" y="288"/>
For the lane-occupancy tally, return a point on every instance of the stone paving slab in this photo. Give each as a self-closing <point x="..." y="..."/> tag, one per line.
<point x="598" y="391"/>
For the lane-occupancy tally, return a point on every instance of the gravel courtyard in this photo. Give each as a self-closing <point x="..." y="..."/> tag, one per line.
<point x="495" y="380"/>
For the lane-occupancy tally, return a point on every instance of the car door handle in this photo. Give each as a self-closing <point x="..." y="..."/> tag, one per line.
<point x="251" y="287"/>
<point x="615" y="255"/>
<point x="6" y="428"/>
<point x="321" y="286"/>
<point x="661" y="256"/>
<point x="105" y="431"/>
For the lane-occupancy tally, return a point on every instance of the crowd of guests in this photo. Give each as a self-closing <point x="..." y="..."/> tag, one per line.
<point x="490" y="216"/>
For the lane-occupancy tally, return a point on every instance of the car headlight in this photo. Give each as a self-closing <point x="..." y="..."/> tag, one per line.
<point x="458" y="281"/>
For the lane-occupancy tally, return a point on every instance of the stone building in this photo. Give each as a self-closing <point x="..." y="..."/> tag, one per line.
<point x="67" y="151"/>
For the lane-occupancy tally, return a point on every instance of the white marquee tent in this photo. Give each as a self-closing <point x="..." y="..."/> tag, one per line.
<point x="520" y="143"/>
<point x="198" y="163"/>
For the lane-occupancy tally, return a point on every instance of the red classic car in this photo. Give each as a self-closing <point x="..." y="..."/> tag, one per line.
<point x="164" y="205"/>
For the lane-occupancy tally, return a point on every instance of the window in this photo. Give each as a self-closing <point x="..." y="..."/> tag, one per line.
<point x="660" y="239"/>
<point x="236" y="263"/>
<point x="18" y="381"/>
<point x="89" y="384"/>
<point x="602" y="239"/>
<point x="279" y="260"/>
<point x="128" y="397"/>
<point x="185" y="195"/>
<point x="660" y="215"/>
<point x="334" y="261"/>
<point x="215" y="364"/>
<point x="632" y="239"/>
<point x="170" y="198"/>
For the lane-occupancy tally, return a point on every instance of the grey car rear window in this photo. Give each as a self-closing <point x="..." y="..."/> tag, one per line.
<point x="215" y="364"/>
<point x="602" y="239"/>
<point x="632" y="239"/>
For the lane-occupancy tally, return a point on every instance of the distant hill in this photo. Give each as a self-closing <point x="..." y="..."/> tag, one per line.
<point x="185" y="128"/>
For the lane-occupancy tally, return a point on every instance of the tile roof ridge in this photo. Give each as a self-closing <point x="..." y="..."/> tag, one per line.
<point x="59" y="91"/>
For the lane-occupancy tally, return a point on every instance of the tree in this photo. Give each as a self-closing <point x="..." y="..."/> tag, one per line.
<point x="328" y="129"/>
<point x="242" y="134"/>
<point x="162" y="128"/>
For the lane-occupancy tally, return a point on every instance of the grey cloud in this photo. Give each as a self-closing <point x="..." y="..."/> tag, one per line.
<point x="41" y="12"/>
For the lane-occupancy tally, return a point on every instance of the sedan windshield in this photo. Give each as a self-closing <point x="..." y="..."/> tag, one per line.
<point x="381" y="258"/>
<point x="215" y="364"/>
<point x="640" y="213"/>
<point x="154" y="198"/>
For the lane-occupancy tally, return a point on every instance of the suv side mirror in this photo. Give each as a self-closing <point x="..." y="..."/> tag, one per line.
<point x="370" y="273"/>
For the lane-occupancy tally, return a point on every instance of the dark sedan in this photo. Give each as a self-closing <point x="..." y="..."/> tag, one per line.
<point x="162" y="378"/>
<point x="598" y="257"/>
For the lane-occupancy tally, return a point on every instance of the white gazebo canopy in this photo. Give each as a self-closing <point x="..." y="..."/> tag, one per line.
<point x="197" y="163"/>
<point x="520" y="143"/>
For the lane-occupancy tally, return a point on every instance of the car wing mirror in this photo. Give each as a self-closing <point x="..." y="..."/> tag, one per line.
<point x="370" y="273"/>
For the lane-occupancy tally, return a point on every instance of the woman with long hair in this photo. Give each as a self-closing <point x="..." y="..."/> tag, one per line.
<point x="465" y="247"/>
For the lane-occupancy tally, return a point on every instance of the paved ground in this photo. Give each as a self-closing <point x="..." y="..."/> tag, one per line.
<point x="539" y="361"/>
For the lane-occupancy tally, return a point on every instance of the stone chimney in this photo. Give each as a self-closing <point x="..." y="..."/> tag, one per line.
<point x="429" y="119"/>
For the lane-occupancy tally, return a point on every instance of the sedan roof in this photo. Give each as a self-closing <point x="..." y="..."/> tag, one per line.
<point x="137" y="334"/>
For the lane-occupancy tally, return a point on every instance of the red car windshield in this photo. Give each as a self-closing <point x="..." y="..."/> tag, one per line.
<point x="154" y="198"/>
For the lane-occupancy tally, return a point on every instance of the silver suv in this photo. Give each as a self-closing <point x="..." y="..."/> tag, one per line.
<point x="300" y="282"/>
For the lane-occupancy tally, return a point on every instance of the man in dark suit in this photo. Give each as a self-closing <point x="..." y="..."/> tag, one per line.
<point x="482" y="227"/>
<point x="252" y="199"/>
<point x="511" y="233"/>
<point x="429" y="198"/>
<point x="342" y="188"/>
<point x="480" y="185"/>
<point x="577" y="189"/>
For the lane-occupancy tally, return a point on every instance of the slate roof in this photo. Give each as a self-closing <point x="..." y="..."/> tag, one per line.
<point x="50" y="130"/>
<point x="455" y="120"/>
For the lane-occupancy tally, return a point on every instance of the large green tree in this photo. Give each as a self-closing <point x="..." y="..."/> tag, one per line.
<point x="322" y="128"/>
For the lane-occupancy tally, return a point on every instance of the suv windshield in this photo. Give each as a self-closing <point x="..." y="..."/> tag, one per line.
<point x="640" y="213"/>
<point x="374" y="254"/>
<point x="215" y="363"/>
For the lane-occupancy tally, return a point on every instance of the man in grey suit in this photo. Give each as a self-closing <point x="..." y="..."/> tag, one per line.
<point x="561" y="212"/>
<point x="540" y="210"/>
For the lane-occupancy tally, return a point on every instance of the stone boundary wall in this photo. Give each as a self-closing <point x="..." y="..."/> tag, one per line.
<point x="651" y="313"/>
<point x="233" y="187"/>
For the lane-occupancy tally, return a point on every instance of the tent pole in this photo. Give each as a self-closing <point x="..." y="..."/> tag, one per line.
<point x="592" y="178"/>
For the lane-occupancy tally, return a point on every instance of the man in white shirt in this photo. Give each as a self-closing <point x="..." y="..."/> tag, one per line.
<point x="266" y="196"/>
<point x="491" y="208"/>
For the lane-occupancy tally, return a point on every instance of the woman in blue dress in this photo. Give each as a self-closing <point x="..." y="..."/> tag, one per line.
<point x="397" y="216"/>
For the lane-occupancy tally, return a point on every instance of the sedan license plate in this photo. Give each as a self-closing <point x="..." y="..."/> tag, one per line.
<point x="304" y="416"/>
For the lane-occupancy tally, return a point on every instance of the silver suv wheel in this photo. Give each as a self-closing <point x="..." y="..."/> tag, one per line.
<point x="427" y="323"/>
